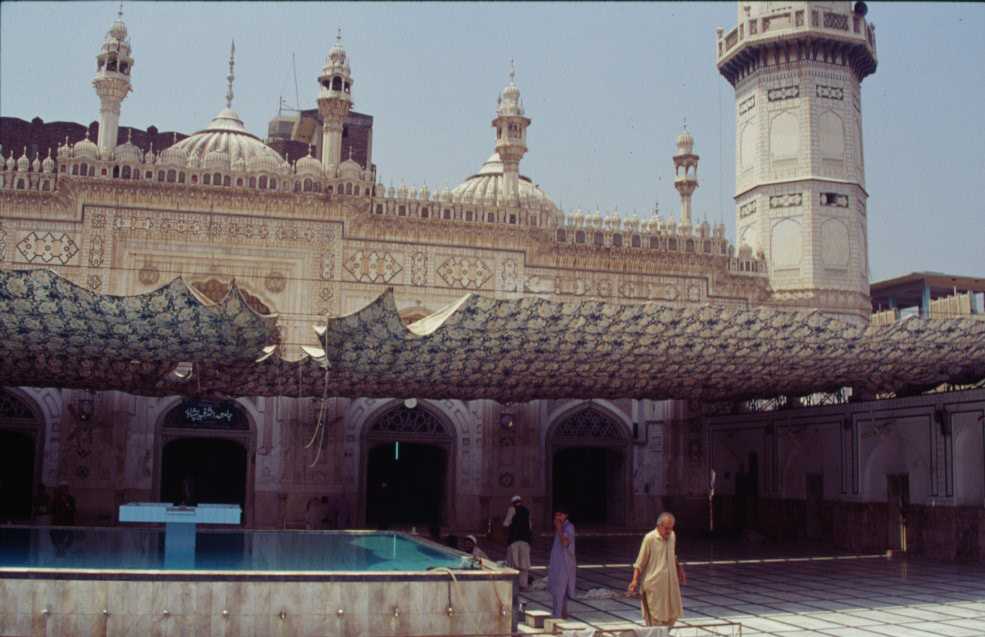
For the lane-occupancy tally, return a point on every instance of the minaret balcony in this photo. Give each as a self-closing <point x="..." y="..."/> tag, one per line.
<point x="848" y="33"/>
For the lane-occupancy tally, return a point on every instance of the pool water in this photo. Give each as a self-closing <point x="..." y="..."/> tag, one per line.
<point x="143" y="548"/>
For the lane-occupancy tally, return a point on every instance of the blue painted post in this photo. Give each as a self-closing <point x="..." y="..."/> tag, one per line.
<point x="925" y="302"/>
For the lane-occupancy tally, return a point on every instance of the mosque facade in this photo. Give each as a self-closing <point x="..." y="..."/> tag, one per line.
<point x="303" y="225"/>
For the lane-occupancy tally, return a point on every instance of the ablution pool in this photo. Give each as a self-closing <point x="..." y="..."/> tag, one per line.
<point x="116" y="581"/>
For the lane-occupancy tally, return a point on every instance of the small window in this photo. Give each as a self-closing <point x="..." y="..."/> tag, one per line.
<point x="599" y="239"/>
<point x="379" y="208"/>
<point x="207" y="179"/>
<point x="690" y="245"/>
<point x="491" y="217"/>
<point x="671" y="244"/>
<point x="116" y="172"/>
<point x="263" y="182"/>
<point x="617" y="240"/>
<point x="239" y="182"/>
<point x="172" y="176"/>
<point x="580" y="236"/>
<point x="654" y="243"/>
<point x="424" y="213"/>
<point x="402" y="211"/>
<point x="126" y="172"/>
<point x="348" y="189"/>
<point x="468" y="215"/>
<point x="45" y="186"/>
<point x="273" y="183"/>
<point x="148" y="175"/>
<point x="636" y="241"/>
<point x="562" y="235"/>
<point x="253" y="182"/>
<point x="513" y="219"/>
<point x="447" y="214"/>
<point x="308" y="185"/>
<point x="160" y="175"/>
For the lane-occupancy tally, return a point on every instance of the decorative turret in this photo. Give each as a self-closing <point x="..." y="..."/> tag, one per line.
<point x="685" y="173"/>
<point x="112" y="82"/>
<point x="511" y="136"/>
<point x="334" y="103"/>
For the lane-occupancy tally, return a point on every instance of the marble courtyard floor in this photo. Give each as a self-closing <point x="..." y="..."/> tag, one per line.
<point x="788" y="591"/>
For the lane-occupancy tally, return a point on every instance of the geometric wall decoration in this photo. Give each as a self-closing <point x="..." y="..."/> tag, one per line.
<point x="50" y="247"/>
<point x="464" y="272"/>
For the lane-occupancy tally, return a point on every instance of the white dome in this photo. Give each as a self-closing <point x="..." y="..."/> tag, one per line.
<point x="129" y="152"/>
<point x="488" y="184"/>
<point x="85" y="149"/>
<point x="227" y="141"/>
<point x="308" y="165"/>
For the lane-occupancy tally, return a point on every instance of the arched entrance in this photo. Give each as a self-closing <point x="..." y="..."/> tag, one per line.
<point x="206" y="455"/>
<point x="408" y="460"/>
<point x="20" y="454"/>
<point x="588" y="465"/>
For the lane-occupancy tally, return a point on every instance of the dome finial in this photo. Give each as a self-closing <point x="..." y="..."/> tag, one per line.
<point x="119" y="14"/>
<point x="338" y="36"/>
<point x="512" y="72"/>
<point x="231" y="77"/>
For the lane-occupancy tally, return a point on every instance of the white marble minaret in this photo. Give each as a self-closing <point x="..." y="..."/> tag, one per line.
<point x="797" y="69"/>
<point x="112" y="83"/>
<point x="511" y="136"/>
<point x="334" y="103"/>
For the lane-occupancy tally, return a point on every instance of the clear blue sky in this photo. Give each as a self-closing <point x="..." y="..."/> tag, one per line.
<point x="606" y="85"/>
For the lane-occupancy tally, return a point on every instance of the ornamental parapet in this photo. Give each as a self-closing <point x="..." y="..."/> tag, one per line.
<point x="813" y="33"/>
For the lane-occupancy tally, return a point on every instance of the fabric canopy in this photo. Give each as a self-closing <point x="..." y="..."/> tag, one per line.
<point x="56" y="334"/>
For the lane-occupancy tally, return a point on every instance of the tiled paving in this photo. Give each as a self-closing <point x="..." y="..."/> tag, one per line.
<point x="787" y="591"/>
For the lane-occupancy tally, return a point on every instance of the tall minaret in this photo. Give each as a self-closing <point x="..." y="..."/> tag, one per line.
<point x="685" y="173"/>
<point x="511" y="135"/>
<point x="112" y="82"/>
<point x="334" y="102"/>
<point x="797" y="69"/>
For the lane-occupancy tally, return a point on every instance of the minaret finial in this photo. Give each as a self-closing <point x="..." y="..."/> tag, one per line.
<point x="338" y="35"/>
<point x="512" y="72"/>
<point x="685" y="123"/>
<point x="119" y="14"/>
<point x="231" y="77"/>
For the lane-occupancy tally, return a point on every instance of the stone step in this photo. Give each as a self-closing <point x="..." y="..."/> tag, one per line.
<point x="536" y="618"/>
<point x="566" y="625"/>
<point x="523" y="629"/>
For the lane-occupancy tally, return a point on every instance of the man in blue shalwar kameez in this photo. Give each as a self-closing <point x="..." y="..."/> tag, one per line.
<point x="561" y="571"/>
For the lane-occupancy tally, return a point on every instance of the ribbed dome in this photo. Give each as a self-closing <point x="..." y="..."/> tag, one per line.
<point x="226" y="139"/>
<point x="85" y="149"/>
<point x="488" y="184"/>
<point x="129" y="152"/>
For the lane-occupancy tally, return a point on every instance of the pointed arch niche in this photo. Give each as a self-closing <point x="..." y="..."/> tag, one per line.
<point x="589" y="466"/>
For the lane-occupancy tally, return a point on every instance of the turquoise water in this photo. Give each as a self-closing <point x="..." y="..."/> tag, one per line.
<point x="133" y="548"/>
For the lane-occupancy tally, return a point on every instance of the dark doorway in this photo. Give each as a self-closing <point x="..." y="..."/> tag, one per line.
<point x="815" y="499"/>
<point x="196" y="470"/>
<point x="589" y="482"/>
<point x="405" y="484"/>
<point x="898" y="490"/>
<point x="16" y="476"/>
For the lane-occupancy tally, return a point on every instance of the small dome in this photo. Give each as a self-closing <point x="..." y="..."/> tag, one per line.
<point x="614" y="221"/>
<point x="85" y="149"/>
<point x="36" y="164"/>
<point x="11" y="163"/>
<point x="173" y="156"/>
<point x="631" y="224"/>
<point x="424" y="193"/>
<point x="48" y="165"/>
<point x="685" y="143"/>
<point x="129" y="152"/>
<point x="23" y="163"/>
<point x="308" y="165"/>
<point x="351" y="169"/>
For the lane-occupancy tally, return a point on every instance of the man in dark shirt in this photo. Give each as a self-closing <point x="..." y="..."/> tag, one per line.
<point x="517" y="520"/>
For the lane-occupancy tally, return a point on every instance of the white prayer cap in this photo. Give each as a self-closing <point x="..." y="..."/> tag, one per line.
<point x="471" y="537"/>
<point x="515" y="499"/>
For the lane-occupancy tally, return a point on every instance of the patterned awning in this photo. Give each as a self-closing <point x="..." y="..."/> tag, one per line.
<point x="53" y="333"/>
<point x="514" y="350"/>
<point x="56" y="333"/>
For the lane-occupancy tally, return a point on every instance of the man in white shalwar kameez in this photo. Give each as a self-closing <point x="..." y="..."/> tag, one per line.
<point x="661" y="574"/>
